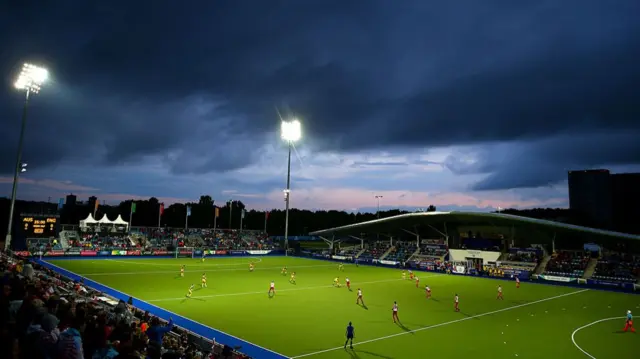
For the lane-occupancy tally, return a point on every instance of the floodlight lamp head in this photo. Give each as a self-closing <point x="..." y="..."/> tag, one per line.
<point x="291" y="131"/>
<point x="31" y="78"/>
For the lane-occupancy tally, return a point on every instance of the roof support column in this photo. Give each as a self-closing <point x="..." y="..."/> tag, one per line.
<point x="330" y="242"/>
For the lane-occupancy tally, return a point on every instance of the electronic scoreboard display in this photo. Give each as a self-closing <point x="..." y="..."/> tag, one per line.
<point x="40" y="225"/>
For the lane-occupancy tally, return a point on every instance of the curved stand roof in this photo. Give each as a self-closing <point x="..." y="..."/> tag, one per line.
<point x="409" y="220"/>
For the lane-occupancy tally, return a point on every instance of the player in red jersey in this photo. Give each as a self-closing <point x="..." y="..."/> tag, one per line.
<point x="395" y="312"/>
<point x="417" y="282"/>
<point x="456" y="301"/>
<point x="360" y="300"/>
<point x="411" y="275"/>
<point x="500" y="293"/>
<point x="348" y="283"/>
<point x="428" y="291"/>
<point x="517" y="282"/>
<point x="272" y="288"/>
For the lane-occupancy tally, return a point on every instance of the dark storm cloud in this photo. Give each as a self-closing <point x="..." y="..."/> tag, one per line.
<point x="197" y="84"/>
<point x="546" y="162"/>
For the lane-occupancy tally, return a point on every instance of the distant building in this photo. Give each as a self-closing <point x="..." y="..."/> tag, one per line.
<point x="590" y="196"/>
<point x="626" y="201"/>
<point x="71" y="201"/>
<point x="92" y="202"/>
<point x="607" y="200"/>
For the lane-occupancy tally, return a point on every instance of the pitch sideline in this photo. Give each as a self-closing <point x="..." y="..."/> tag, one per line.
<point x="200" y="270"/>
<point x="443" y="324"/>
<point x="96" y="285"/>
<point x="173" y="265"/>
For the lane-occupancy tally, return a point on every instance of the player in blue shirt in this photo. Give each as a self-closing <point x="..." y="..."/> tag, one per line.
<point x="350" y="334"/>
<point x="629" y="323"/>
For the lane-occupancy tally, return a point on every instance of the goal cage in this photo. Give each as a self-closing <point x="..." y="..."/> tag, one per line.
<point x="188" y="252"/>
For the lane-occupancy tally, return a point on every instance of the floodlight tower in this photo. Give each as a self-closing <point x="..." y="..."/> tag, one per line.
<point x="291" y="132"/>
<point x="378" y="200"/>
<point x="30" y="79"/>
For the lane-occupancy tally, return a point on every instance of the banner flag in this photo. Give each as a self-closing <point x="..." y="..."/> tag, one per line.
<point x="161" y="209"/>
<point x="133" y="207"/>
<point x="60" y="203"/>
<point x="188" y="211"/>
<point x="217" y="212"/>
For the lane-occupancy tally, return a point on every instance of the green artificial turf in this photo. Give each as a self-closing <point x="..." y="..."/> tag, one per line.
<point x="309" y="319"/>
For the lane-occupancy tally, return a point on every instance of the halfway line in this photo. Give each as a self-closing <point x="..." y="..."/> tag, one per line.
<point x="445" y="323"/>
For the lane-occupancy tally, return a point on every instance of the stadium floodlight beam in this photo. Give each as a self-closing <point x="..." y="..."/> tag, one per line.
<point x="30" y="80"/>
<point x="291" y="131"/>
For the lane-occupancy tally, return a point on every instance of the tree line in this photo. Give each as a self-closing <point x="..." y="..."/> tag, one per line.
<point x="301" y="222"/>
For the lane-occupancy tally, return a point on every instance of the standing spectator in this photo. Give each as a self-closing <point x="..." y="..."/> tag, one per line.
<point x="157" y="331"/>
<point x="70" y="343"/>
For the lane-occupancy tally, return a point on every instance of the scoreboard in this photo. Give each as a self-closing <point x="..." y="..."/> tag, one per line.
<point x="40" y="225"/>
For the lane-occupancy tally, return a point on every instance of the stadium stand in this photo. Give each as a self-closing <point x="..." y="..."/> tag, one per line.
<point x="524" y="255"/>
<point x="401" y="251"/>
<point x="44" y="315"/>
<point x="433" y="250"/>
<point x="618" y="267"/>
<point x="161" y="238"/>
<point x="568" y="263"/>
<point x="375" y="250"/>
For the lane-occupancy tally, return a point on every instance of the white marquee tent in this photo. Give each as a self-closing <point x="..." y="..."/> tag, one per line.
<point x="121" y="222"/>
<point x="103" y="222"/>
<point x="87" y="221"/>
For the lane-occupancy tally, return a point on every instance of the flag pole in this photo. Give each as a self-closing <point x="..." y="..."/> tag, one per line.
<point x="215" y="218"/>
<point x="241" y="219"/>
<point x="133" y="205"/>
<point x="159" y="214"/>
<point x="266" y="215"/>
<point x="186" y="220"/>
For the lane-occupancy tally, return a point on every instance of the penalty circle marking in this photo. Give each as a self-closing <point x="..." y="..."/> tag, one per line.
<point x="573" y="335"/>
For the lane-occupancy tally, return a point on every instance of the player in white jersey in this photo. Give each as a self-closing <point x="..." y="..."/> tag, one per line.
<point x="360" y="300"/>
<point x="272" y="288"/>
<point x="395" y="312"/>
<point x="500" y="293"/>
<point x="456" y="301"/>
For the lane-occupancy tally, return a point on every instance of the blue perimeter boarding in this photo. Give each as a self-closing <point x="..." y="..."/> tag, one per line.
<point x="253" y="350"/>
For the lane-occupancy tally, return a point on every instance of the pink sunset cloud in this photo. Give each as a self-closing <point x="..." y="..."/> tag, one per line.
<point x="354" y="198"/>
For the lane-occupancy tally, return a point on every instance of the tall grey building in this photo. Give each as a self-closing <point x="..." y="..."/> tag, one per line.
<point x="591" y="196"/>
<point x="626" y="202"/>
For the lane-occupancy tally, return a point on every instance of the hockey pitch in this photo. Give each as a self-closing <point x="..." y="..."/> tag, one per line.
<point x="308" y="319"/>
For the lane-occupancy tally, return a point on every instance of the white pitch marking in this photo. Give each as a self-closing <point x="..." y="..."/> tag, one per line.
<point x="281" y="290"/>
<point x="173" y="313"/>
<point x="445" y="323"/>
<point x="587" y="326"/>
<point x="173" y="265"/>
<point x="199" y="270"/>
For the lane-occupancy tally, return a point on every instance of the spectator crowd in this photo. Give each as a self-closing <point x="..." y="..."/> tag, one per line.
<point x="46" y="316"/>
